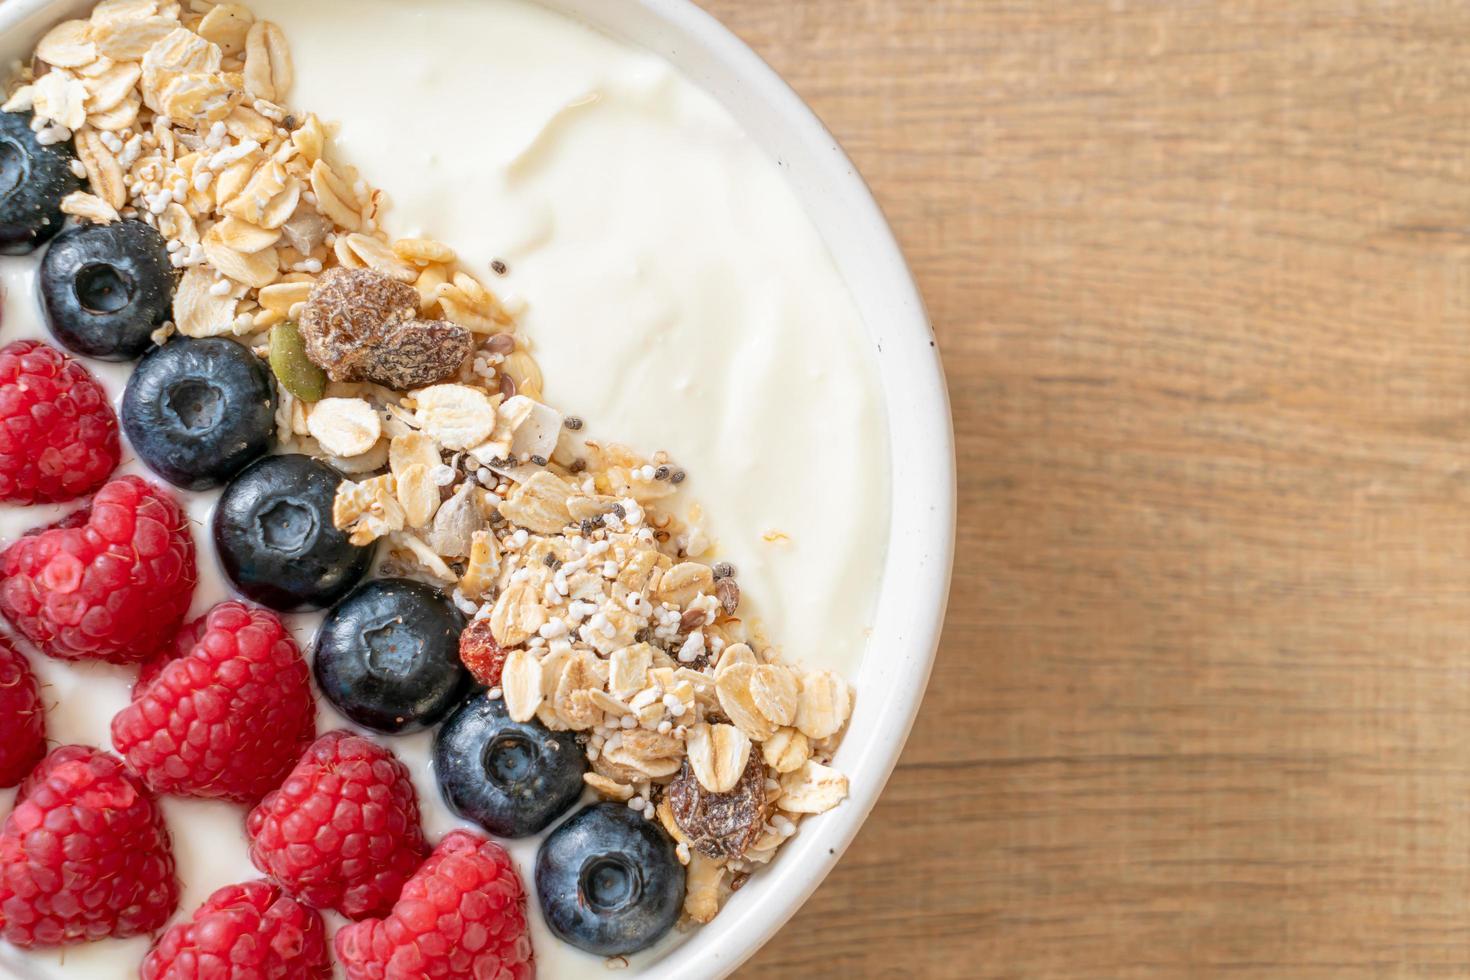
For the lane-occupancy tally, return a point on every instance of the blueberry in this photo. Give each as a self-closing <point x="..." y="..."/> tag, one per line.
<point x="512" y="778"/>
<point x="609" y="880"/>
<point x="387" y="656"/>
<point x="106" y="288"/>
<point x="275" y="538"/>
<point x="33" y="180"/>
<point x="198" y="411"/>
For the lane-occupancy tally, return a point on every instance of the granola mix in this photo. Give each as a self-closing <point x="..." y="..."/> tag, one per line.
<point x="401" y="368"/>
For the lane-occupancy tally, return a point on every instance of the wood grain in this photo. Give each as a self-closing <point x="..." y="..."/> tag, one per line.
<point x="1200" y="272"/>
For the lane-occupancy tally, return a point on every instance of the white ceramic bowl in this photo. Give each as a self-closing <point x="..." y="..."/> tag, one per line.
<point x="906" y="625"/>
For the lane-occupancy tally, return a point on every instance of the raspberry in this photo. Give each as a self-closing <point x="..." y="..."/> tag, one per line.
<point x="22" y="722"/>
<point x="227" y="717"/>
<point x="462" y="915"/>
<point x="58" y="433"/>
<point x="243" y="932"/>
<point x="481" y="654"/>
<point x="111" y="583"/>
<point x="84" y="855"/>
<point x="343" y="830"/>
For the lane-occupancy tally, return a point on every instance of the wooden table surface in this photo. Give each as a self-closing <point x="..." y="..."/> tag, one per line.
<point x="1200" y="272"/>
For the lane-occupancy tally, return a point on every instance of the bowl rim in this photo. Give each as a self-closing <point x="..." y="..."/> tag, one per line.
<point x="918" y="565"/>
<point x="925" y="562"/>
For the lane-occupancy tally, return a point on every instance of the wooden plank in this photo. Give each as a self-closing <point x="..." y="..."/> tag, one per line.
<point x="1199" y="272"/>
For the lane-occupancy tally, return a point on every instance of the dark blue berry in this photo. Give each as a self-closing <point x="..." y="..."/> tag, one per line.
<point x="512" y="778"/>
<point x="387" y="656"/>
<point x="274" y="535"/>
<point x="106" y="288"/>
<point x="33" y="180"/>
<point x="199" y="411"/>
<point x="609" y="880"/>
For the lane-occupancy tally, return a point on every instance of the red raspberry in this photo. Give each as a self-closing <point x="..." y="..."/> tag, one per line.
<point x="110" y="584"/>
<point x="462" y="915"/>
<point x="22" y="721"/>
<point x="84" y="855"/>
<point x="244" y="932"/>
<point x="226" y="718"/>
<point x="58" y="433"/>
<point x="480" y="652"/>
<point x="343" y="830"/>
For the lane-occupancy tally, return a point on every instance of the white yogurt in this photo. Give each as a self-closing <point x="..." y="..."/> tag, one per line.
<point x="678" y="299"/>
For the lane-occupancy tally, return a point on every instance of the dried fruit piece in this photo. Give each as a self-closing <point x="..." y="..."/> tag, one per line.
<point x="482" y="656"/>
<point x="293" y="368"/>
<point x="360" y="325"/>
<point x="721" y="825"/>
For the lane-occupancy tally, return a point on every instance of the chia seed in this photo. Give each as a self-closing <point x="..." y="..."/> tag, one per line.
<point x="539" y="460"/>
<point x="572" y="422"/>
<point x="578" y="465"/>
<point x="677" y="477"/>
<point x="498" y="267"/>
<point x="662" y="473"/>
<point x="620" y="511"/>
<point x="723" y="569"/>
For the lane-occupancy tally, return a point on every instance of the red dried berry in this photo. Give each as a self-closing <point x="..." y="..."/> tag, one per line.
<point x="244" y="932"/>
<point x="343" y="830"/>
<point x="58" y="433"/>
<point x="84" y="855"/>
<point x="227" y="717"/>
<point x="462" y="915"/>
<point x="22" y="719"/>
<point x="481" y="654"/>
<point x="112" y="583"/>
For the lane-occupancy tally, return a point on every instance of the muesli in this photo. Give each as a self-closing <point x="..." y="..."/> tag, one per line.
<point x="593" y="607"/>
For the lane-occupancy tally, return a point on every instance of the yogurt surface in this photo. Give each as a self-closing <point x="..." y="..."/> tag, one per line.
<point x="677" y="298"/>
